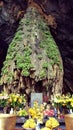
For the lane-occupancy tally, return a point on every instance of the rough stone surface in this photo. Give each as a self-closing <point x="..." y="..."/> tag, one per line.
<point x="30" y="65"/>
<point x="59" y="15"/>
<point x="10" y="14"/>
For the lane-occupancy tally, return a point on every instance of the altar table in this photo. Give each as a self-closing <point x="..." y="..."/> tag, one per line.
<point x="60" y="128"/>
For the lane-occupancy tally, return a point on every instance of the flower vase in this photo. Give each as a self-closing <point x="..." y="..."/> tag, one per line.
<point x="1" y="109"/>
<point x="58" y="113"/>
<point x="70" y="111"/>
<point x="11" y="111"/>
<point x="15" y="110"/>
<point x="55" y="112"/>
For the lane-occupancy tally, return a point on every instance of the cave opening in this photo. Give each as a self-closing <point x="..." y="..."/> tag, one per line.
<point x="62" y="32"/>
<point x="53" y="88"/>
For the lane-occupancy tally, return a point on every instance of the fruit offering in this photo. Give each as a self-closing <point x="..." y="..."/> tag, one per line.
<point x="46" y="128"/>
<point x="22" y="112"/>
<point x="30" y="123"/>
<point x="48" y="112"/>
<point x="52" y="123"/>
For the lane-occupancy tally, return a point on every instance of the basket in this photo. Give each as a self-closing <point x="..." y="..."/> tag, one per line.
<point x="7" y="121"/>
<point x="69" y="121"/>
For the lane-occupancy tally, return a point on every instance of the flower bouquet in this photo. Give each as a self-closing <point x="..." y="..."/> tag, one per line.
<point x="63" y="102"/>
<point x="3" y="101"/>
<point x="36" y="112"/>
<point x="16" y="101"/>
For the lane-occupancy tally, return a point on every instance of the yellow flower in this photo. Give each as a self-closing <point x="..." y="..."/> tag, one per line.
<point x="45" y="128"/>
<point x="9" y="100"/>
<point x="52" y="123"/>
<point x="20" y="100"/>
<point x="32" y="112"/>
<point x="72" y="104"/>
<point x="15" y="99"/>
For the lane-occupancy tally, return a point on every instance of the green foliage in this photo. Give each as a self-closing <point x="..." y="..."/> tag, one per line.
<point x="9" y="77"/>
<point x="25" y="72"/>
<point x="42" y="73"/>
<point x="40" y="56"/>
<point x="50" y="46"/>
<point x="27" y="21"/>
<point x="42" y="25"/>
<point x="3" y="101"/>
<point x="24" y="61"/>
<point x="21" y="52"/>
<point x="45" y="65"/>
<point x="5" y="71"/>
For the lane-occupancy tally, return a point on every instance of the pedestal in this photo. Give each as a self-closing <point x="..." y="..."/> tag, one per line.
<point x="69" y="121"/>
<point x="7" y="121"/>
